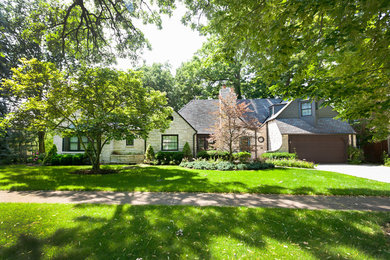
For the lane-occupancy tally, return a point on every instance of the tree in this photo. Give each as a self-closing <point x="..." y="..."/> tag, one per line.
<point x="334" y="50"/>
<point x="30" y="86"/>
<point x="102" y="105"/>
<point x="96" y="30"/>
<point x="234" y="122"/>
<point x="159" y="77"/>
<point x="211" y="68"/>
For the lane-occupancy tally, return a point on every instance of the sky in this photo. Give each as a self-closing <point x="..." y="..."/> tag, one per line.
<point x="174" y="44"/>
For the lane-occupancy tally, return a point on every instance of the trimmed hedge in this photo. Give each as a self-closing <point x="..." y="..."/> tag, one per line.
<point x="224" y="165"/>
<point x="213" y="154"/>
<point x="279" y="156"/>
<point x="243" y="157"/>
<point x="291" y="163"/>
<point x="169" y="157"/>
<point x="70" y="159"/>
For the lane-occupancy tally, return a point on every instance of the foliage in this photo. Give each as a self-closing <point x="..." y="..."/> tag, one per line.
<point x="234" y="122"/>
<point x="202" y="164"/>
<point x="291" y="163"/>
<point x="103" y="104"/>
<point x="169" y="157"/>
<point x="355" y="155"/>
<point x="279" y="155"/>
<point x="78" y="29"/>
<point x="187" y="151"/>
<point x="207" y="71"/>
<point x="386" y="159"/>
<point x="243" y="157"/>
<point x="30" y="85"/>
<point x="70" y="159"/>
<point x="149" y="154"/>
<point x="332" y="50"/>
<point x="49" y="156"/>
<point x="213" y="154"/>
<point x="159" y="77"/>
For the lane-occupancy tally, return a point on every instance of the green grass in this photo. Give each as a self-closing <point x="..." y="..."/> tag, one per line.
<point x="174" y="178"/>
<point x="50" y="231"/>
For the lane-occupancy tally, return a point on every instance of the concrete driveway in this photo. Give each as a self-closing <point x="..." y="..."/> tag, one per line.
<point x="372" y="172"/>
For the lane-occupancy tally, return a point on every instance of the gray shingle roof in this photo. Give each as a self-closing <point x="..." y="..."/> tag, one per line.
<point x="324" y="126"/>
<point x="201" y="113"/>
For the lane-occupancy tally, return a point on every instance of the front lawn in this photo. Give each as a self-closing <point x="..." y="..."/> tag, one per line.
<point x="53" y="231"/>
<point x="175" y="178"/>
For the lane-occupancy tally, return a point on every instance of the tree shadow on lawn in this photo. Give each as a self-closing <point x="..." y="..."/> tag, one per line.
<point x="137" y="178"/>
<point x="152" y="178"/>
<point x="207" y="233"/>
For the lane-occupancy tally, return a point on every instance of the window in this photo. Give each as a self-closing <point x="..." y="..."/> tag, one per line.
<point x="203" y="143"/>
<point x="245" y="144"/>
<point x="306" y="109"/>
<point x="130" y="141"/>
<point x="170" y="142"/>
<point x="73" y="143"/>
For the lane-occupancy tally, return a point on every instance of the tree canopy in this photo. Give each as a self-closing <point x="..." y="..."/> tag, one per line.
<point x="335" y="50"/>
<point x="30" y="85"/>
<point x="102" y="104"/>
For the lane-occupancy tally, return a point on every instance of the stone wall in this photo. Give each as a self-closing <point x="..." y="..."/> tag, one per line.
<point x="178" y="127"/>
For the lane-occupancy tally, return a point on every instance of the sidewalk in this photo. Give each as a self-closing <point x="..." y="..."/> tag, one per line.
<point x="200" y="199"/>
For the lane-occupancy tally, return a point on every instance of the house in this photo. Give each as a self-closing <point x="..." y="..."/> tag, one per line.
<point x="300" y="126"/>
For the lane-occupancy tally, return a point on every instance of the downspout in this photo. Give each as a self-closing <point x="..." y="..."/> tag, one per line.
<point x="145" y="145"/>
<point x="193" y="144"/>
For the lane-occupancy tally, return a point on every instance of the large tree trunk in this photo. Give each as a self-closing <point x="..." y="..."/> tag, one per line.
<point x="237" y="83"/>
<point x="41" y="141"/>
<point x="96" y="162"/>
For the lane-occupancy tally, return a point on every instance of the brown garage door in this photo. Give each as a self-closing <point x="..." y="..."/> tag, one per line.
<point x="320" y="148"/>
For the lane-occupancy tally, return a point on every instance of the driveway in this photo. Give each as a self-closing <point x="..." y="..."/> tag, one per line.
<point x="372" y="172"/>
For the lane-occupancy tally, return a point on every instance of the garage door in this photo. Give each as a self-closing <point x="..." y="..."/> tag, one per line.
<point x="320" y="148"/>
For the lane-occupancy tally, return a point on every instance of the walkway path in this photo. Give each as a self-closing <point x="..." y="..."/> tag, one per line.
<point x="200" y="199"/>
<point x="372" y="172"/>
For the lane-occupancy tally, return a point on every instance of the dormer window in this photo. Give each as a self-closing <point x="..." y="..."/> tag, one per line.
<point x="306" y="109"/>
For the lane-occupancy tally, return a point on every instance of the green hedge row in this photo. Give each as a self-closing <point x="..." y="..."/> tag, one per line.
<point x="224" y="155"/>
<point x="291" y="163"/>
<point x="168" y="157"/>
<point x="69" y="159"/>
<point x="225" y="166"/>
<point x="279" y="156"/>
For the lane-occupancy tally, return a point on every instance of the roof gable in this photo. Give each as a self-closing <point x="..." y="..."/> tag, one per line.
<point x="201" y="114"/>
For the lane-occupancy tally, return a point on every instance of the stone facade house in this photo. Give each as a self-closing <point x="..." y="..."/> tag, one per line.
<point x="300" y="126"/>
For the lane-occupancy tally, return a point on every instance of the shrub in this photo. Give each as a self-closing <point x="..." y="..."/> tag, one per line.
<point x="66" y="159"/>
<point x="187" y="151"/>
<point x="70" y="159"/>
<point x="213" y="154"/>
<point x="169" y="157"/>
<point x="149" y="154"/>
<point x="279" y="156"/>
<point x="49" y="156"/>
<point x="386" y="159"/>
<point x="243" y="157"/>
<point x="291" y="163"/>
<point x="202" y="164"/>
<point x="203" y="155"/>
<point x="355" y="155"/>
<point x="225" y="166"/>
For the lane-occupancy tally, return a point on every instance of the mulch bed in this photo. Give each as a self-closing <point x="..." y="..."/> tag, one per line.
<point x="93" y="172"/>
